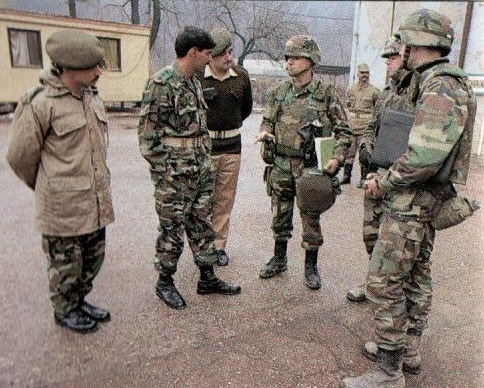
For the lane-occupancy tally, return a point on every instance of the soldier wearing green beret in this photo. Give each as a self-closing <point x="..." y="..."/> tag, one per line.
<point x="58" y="149"/>
<point x="413" y="189"/>
<point x="174" y="140"/>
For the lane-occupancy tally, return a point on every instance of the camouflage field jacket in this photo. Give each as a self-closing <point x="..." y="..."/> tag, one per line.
<point x="445" y="108"/>
<point x="288" y="110"/>
<point x="172" y="107"/>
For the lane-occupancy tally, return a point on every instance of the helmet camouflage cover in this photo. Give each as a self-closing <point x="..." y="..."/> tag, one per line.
<point x="427" y="28"/>
<point x="303" y="46"/>
<point x="392" y="47"/>
<point x="314" y="191"/>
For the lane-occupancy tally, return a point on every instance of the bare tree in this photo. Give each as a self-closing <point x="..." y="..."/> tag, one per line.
<point x="134" y="11"/>
<point x="262" y="27"/>
<point x="72" y="8"/>
<point x="155" y="23"/>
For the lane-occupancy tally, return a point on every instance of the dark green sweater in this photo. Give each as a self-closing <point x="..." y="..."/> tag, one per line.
<point x="229" y="104"/>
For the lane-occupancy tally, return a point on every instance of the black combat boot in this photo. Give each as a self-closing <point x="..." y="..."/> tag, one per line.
<point x="346" y="179"/>
<point x="210" y="284"/>
<point x="313" y="280"/>
<point x="77" y="321"/>
<point x="278" y="263"/>
<point x="364" y="172"/>
<point x="96" y="313"/>
<point x="167" y="292"/>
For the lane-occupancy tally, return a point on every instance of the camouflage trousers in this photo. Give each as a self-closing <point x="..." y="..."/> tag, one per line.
<point x="183" y="202"/>
<point x="399" y="281"/>
<point x="372" y="213"/>
<point x="283" y="191"/>
<point x="352" y="150"/>
<point x="73" y="264"/>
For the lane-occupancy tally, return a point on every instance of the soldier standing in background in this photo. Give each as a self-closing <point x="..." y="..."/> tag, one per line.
<point x="228" y="94"/>
<point x="392" y="96"/>
<point x="360" y="100"/>
<point x="174" y="139"/>
<point x="299" y="102"/>
<point x="58" y="149"/>
<point x="413" y="190"/>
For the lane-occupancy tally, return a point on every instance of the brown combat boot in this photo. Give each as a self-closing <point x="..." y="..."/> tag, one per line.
<point x="388" y="372"/>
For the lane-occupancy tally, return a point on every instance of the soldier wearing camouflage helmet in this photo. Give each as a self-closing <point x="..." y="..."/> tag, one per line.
<point x="174" y="140"/>
<point x="392" y="96"/>
<point x="412" y="190"/>
<point x="298" y="109"/>
<point x="58" y="149"/>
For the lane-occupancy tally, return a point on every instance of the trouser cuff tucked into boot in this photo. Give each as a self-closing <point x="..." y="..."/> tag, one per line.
<point x="167" y="292"/>
<point x="388" y="372"/>
<point x="313" y="280"/>
<point x="210" y="284"/>
<point x="411" y="357"/>
<point x="278" y="263"/>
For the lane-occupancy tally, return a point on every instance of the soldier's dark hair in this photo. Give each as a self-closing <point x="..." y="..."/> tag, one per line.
<point x="192" y="37"/>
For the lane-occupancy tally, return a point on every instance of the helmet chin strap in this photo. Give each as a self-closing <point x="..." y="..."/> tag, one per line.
<point x="406" y="54"/>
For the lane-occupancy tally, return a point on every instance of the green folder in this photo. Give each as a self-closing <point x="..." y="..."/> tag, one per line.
<point x="324" y="150"/>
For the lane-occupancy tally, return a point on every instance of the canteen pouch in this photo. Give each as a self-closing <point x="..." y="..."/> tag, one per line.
<point x="453" y="211"/>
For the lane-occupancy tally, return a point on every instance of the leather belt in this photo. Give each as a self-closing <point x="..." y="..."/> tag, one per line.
<point x="224" y="134"/>
<point x="183" y="142"/>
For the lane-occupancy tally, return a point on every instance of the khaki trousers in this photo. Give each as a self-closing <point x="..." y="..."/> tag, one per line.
<point x="226" y="175"/>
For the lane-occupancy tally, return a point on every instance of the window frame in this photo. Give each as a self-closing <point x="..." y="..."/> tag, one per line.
<point x="38" y="48"/>
<point x="117" y="69"/>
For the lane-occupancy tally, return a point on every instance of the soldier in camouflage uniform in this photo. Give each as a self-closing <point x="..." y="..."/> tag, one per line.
<point x="413" y="189"/>
<point x="360" y="99"/>
<point x="58" y="148"/>
<point x="392" y="96"/>
<point x="174" y="139"/>
<point x="296" y="103"/>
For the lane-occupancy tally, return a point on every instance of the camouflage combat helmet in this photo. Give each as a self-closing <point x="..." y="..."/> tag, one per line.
<point x="427" y="28"/>
<point x="315" y="191"/>
<point x="303" y="46"/>
<point x="392" y="47"/>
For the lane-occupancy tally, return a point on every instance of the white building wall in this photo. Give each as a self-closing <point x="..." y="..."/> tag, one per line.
<point x="376" y="21"/>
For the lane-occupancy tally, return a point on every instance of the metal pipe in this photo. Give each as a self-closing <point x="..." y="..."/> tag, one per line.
<point x="465" y="33"/>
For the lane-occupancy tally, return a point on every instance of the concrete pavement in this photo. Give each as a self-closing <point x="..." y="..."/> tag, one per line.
<point x="276" y="333"/>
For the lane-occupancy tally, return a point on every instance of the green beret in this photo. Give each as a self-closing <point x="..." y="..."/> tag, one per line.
<point x="75" y="50"/>
<point x="364" y="68"/>
<point x="222" y="38"/>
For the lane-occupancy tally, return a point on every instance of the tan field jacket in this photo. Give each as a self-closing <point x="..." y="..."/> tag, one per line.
<point x="58" y="148"/>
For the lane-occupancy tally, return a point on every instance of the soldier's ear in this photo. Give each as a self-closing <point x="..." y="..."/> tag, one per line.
<point x="193" y="51"/>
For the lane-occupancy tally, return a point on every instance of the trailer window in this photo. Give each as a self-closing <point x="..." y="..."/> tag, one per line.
<point x="25" y="48"/>
<point x="112" y="53"/>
